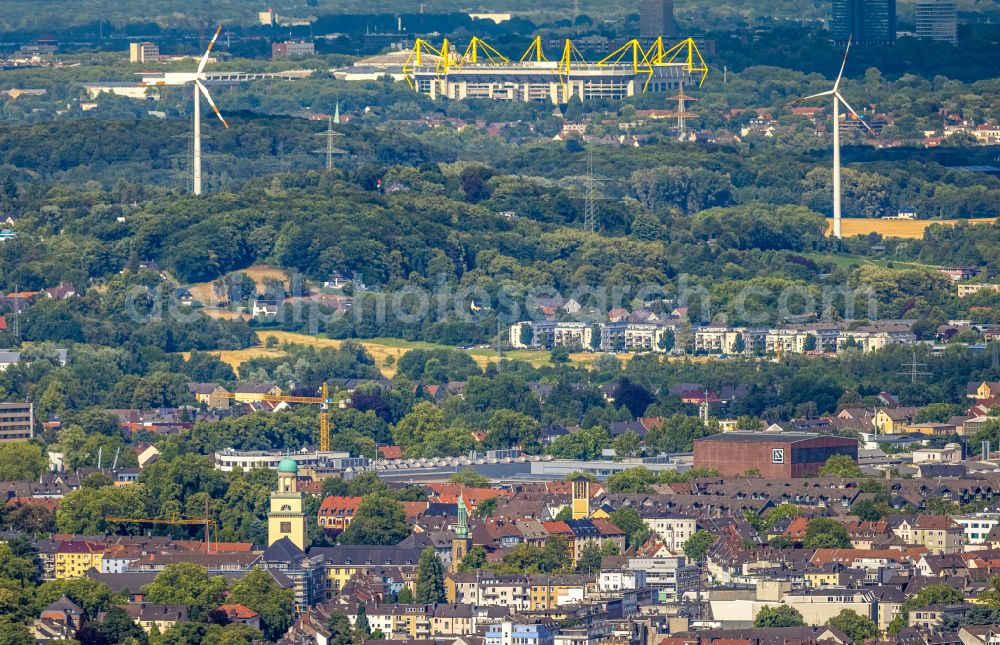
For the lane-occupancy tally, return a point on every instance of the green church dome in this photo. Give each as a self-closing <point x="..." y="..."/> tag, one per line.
<point x="288" y="465"/>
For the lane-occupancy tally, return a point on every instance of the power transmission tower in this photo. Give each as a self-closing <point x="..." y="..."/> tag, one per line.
<point x="914" y="369"/>
<point x="17" y="317"/>
<point x="184" y="160"/>
<point x="591" y="196"/>
<point x="682" y="113"/>
<point x="330" y="133"/>
<point x="590" y="206"/>
<point x="499" y="351"/>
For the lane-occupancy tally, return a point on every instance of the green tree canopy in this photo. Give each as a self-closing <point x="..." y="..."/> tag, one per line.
<point x="859" y="628"/>
<point x="840" y="466"/>
<point x="379" y="520"/>
<point x="189" y="585"/>
<point x="825" y="533"/>
<point x="430" y="578"/>
<point x="778" y="616"/>
<point x="21" y="460"/>
<point x="276" y="606"/>
<point x="696" y="547"/>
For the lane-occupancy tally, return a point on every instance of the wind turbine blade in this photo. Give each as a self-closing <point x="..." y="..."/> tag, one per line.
<point x="204" y="59"/>
<point x="854" y="113"/>
<point x="812" y="96"/>
<point x="208" y="97"/>
<point x="836" y="85"/>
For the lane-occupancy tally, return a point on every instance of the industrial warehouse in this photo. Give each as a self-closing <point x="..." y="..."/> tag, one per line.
<point x="482" y="72"/>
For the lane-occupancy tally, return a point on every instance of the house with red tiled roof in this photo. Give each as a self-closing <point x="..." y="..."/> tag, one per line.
<point x="808" y="111"/>
<point x="864" y="534"/>
<point x="48" y="503"/>
<point x="939" y="533"/>
<point x="237" y="613"/>
<point x="414" y="510"/>
<point x="336" y="513"/>
<point x="859" y="558"/>
<point x="391" y="452"/>
<point x="558" y="528"/>
<point x="448" y="493"/>
<point x="609" y="531"/>
<point x="796" y="529"/>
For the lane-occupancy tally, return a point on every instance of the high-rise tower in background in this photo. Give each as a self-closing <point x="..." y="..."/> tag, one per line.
<point x="865" y="22"/>
<point x="936" y="20"/>
<point x="656" y="18"/>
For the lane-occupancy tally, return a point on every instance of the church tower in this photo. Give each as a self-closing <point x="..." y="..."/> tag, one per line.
<point x="581" y="498"/>
<point x="287" y="518"/>
<point x="462" y="542"/>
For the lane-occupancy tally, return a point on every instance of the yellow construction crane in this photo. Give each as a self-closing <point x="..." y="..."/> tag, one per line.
<point x="175" y="519"/>
<point x="323" y="401"/>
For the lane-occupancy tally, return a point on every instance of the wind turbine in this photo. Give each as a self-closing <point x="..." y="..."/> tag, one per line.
<point x="195" y="79"/>
<point x="837" y="100"/>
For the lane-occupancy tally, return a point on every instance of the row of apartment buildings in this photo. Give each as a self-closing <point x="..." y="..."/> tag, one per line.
<point x="659" y="335"/>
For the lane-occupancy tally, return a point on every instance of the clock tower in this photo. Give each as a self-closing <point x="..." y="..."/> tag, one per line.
<point x="287" y="516"/>
<point x="462" y="542"/>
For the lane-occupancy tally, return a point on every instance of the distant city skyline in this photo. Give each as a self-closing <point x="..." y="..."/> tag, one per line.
<point x="864" y="22"/>
<point x="936" y="20"/>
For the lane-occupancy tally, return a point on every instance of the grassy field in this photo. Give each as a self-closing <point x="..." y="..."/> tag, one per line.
<point x="913" y="229"/>
<point x="258" y="273"/>
<point x="844" y="261"/>
<point x="387" y="351"/>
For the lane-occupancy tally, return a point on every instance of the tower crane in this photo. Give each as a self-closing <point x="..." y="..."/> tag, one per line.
<point x="323" y="401"/>
<point x="176" y="519"/>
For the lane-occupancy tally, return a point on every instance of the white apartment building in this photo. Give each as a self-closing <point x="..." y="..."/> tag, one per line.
<point x="976" y="527"/>
<point x="620" y="579"/>
<point x="673" y="530"/>
<point x="670" y="575"/>
<point x="721" y="340"/>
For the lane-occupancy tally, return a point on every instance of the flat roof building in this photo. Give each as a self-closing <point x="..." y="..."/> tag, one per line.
<point x="292" y="48"/>
<point x="777" y="455"/>
<point x="656" y="18"/>
<point x="545" y="81"/>
<point x="865" y="22"/>
<point x="143" y="53"/>
<point x="936" y="20"/>
<point x="17" y="421"/>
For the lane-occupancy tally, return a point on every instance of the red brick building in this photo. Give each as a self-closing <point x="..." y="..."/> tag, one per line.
<point x="776" y="455"/>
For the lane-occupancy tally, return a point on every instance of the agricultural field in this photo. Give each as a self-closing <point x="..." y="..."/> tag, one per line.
<point x="908" y="228"/>
<point x="387" y="351"/>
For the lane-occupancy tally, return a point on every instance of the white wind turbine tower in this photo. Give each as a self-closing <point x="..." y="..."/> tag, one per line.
<point x="195" y="79"/>
<point x="837" y="100"/>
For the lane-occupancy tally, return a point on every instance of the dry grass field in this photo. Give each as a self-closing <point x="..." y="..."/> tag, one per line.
<point x="258" y="273"/>
<point x="387" y="351"/>
<point x="913" y="229"/>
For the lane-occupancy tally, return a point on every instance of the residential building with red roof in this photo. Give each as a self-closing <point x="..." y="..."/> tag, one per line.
<point x="237" y="613"/>
<point x="74" y="557"/>
<point x="336" y="513"/>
